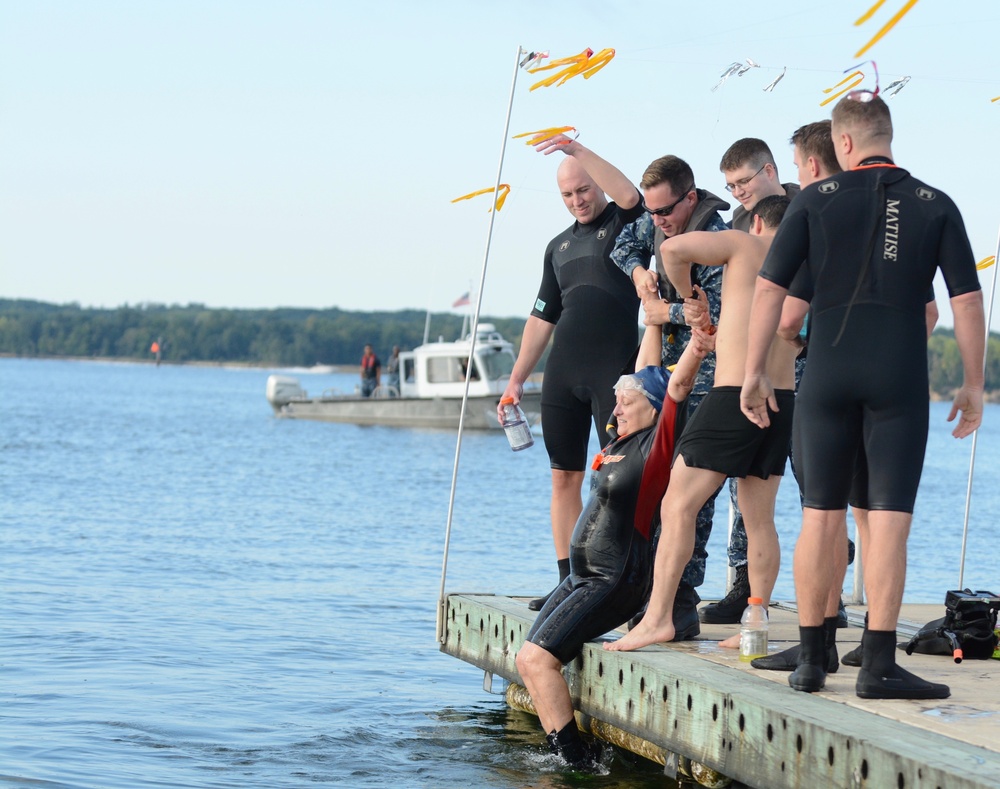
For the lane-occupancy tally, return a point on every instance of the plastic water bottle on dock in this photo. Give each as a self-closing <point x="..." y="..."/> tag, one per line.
<point x="753" y="630"/>
<point x="516" y="426"/>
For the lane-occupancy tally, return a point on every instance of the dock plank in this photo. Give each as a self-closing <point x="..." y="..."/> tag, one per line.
<point x="698" y="700"/>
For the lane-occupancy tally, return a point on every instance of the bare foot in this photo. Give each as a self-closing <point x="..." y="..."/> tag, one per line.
<point x="642" y="635"/>
<point x="733" y="642"/>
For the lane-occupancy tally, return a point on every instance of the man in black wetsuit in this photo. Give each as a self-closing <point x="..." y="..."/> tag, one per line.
<point x="611" y="549"/>
<point x="871" y="240"/>
<point x="591" y="308"/>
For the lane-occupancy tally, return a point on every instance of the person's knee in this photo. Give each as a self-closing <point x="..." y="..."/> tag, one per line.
<point x="532" y="660"/>
<point x="566" y="483"/>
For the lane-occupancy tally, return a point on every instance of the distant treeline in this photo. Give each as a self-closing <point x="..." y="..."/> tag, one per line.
<point x="195" y="333"/>
<point x="293" y="337"/>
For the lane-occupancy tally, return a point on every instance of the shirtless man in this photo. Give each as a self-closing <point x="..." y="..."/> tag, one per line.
<point x="718" y="443"/>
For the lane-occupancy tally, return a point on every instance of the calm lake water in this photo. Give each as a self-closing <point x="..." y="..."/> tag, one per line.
<point x="197" y="594"/>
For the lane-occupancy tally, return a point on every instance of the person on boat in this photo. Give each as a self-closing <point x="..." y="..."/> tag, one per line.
<point x="611" y="548"/>
<point x="718" y="443"/>
<point x="870" y="240"/>
<point x="589" y="309"/>
<point x="371" y="372"/>
<point x="674" y="205"/>
<point x="392" y="372"/>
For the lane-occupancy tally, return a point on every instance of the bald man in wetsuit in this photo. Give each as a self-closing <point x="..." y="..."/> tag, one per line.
<point x="871" y="240"/>
<point x="589" y="307"/>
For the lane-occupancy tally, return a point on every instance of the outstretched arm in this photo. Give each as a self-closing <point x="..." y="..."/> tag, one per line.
<point x="533" y="342"/>
<point x="686" y="370"/>
<point x="612" y="181"/>
<point x="651" y="347"/>
<point x="705" y="247"/>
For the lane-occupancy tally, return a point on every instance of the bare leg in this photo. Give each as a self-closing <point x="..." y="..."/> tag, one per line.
<point x="884" y="556"/>
<point x="542" y="675"/>
<point x="839" y="558"/>
<point x="687" y="492"/>
<point x="567" y="504"/>
<point x="815" y="574"/>
<point x="756" y="499"/>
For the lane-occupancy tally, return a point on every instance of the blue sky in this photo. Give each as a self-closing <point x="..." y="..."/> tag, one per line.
<point x="265" y="154"/>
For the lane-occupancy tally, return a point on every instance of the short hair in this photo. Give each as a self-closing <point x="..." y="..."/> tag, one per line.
<point x="815" y="140"/>
<point x="749" y="150"/>
<point x="771" y="209"/>
<point x="669" y="170"/>
<point x="870" y="120"/>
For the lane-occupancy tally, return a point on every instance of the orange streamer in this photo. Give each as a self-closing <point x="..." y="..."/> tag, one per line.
<point x="860" y="78"/>
<point x="585" y="63"/>
<point x="886" y="27"/>
<point x="501" y="195"/>
<point x="544" y="134"/>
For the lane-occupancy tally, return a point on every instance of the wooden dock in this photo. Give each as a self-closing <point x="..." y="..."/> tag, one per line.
<point x="698" y="702"/>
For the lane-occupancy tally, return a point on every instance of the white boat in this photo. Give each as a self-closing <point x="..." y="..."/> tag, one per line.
<point x="431" y="385"/>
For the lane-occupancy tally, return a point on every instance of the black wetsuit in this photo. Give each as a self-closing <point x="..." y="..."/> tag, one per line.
<point x="611" y="551"/>
<point x="871" y="239"/>
<point x="595" y="309"/>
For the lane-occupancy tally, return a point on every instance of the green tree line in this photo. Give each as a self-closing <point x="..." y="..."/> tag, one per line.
<point x="195" y="333"/>
<point x="293" y="337"/>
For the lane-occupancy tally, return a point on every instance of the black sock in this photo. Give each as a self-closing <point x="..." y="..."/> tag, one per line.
<point x="571" y="745"/>
<point x="563" y="569"/>
<point x="813" y="640"/>
<point x="830" y="631"/>
<point x="879" y="655"/>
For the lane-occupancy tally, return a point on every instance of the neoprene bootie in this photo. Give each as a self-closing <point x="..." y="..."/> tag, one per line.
<point x="687" y="626"/>
<point x="881" y="678"/>
<point x="568" y="744"/>
<point x="730" y="608"/>
<point x="788" y="660"/>
<point x="810" y="675"/>
<point x="854" y="657"/>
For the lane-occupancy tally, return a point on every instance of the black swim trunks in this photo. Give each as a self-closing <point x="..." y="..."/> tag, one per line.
<point x="720" y="438"/>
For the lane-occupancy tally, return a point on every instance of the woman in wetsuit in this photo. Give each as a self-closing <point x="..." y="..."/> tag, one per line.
<point x="611" y="554"/>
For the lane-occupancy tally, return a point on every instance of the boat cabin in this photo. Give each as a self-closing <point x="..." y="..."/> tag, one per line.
<point x="438" y="369"/>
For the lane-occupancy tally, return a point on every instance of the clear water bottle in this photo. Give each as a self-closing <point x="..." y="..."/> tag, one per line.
<point x="516" y="426"/>
<point x="753" y="630"/>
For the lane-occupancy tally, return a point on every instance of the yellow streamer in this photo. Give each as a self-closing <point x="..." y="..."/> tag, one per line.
<point x="544" y="134"/>
<point x="502" y="195"/>
<point x="585" y="63"/>
<point x="996" y="99"/>
<point x="886" y="27"/>
<point x="860" y="78"/>
<point x="985" y="263"/>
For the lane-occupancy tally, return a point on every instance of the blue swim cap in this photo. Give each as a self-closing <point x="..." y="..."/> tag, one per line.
<point x="651" y="381"/>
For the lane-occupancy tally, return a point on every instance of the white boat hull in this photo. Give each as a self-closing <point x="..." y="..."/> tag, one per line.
<point x="481" y="412"/>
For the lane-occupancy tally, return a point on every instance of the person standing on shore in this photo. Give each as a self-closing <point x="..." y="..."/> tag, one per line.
<point x="871" y="240"/>
<point x="590" y="308"/>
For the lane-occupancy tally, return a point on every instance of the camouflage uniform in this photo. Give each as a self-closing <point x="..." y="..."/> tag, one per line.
<point x="636" y="245"/>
